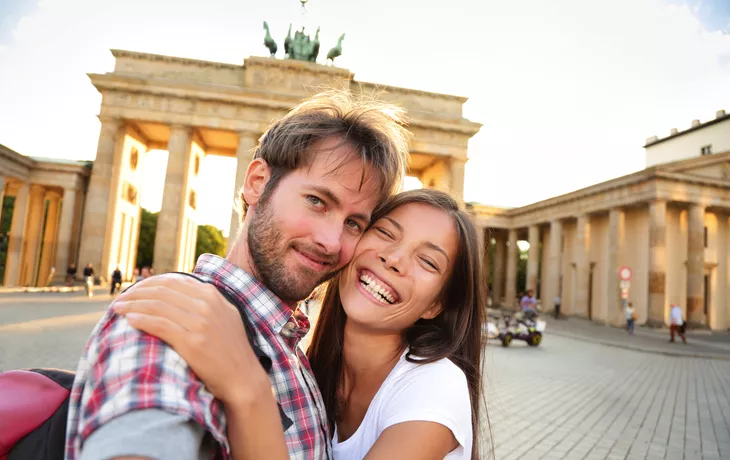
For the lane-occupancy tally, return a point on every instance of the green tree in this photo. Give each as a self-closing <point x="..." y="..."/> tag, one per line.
<point x="146" y="247"/>
<point x="210" y="241"/>
<point x="7" y="217"/>
<point x="521" y="270"/>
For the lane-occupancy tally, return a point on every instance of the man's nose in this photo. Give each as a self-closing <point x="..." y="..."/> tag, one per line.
<point x="329" y="238"/>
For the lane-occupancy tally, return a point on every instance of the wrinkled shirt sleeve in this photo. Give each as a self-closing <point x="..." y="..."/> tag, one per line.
<point x="124" y="370"/>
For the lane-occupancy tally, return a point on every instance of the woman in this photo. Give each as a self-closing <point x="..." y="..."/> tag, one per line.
<point x="397" y="348"/>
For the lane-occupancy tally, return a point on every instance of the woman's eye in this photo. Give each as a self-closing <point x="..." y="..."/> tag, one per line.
<point x="430" y="264"/>
<point x="384" y="232"/>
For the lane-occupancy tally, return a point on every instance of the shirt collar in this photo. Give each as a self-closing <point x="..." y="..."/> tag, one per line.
<point x="263" y="303"/>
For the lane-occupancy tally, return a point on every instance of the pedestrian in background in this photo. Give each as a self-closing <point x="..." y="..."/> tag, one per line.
<point x="676" y="326"/>
<point x="631" y="317"/>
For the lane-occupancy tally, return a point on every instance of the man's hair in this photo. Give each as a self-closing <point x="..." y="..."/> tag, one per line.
<point x="376" y="130"/>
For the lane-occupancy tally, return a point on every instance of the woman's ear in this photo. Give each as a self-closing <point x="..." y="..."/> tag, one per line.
<point x="257" y="175"/>
<point x="433" y="311"/>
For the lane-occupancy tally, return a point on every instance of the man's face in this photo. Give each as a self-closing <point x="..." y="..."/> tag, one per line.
<point x="307" y="229"/>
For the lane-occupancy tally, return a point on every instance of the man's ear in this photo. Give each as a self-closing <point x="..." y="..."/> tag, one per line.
<point x="433" y="311"/>
<point x="257" y="175"/>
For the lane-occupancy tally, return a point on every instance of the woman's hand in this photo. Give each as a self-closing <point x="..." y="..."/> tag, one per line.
<point x="203" y="328"/>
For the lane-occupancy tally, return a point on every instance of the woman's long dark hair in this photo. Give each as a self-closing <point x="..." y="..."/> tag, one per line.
<point x="456" y="333"/>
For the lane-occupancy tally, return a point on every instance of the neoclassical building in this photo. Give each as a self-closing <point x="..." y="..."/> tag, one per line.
<point x="192" y="108"/>
<point x="668" y="223"/>
<point x="48" y="209"/>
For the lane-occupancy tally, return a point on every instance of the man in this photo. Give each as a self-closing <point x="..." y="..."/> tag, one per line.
<point x="89" y="279"/>
<point x="556" y="305"/>
<point x="528" y="302"/>
<point x="676" y="323"/>
<point x="307" y="197"/>
<point x="71" y="274"/>
<point x="116" y="280"/>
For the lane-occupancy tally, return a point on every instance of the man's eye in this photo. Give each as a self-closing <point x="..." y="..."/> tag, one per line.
<point x="314" y="201"/>
<point x="354" y="225"/>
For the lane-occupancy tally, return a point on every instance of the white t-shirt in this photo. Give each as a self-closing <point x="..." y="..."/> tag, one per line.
<point x="435" y="392"/>
<point x="675" y="315"/>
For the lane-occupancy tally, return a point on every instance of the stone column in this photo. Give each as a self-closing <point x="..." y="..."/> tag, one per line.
<point x="169" y="244"/>
<point x="244" y="154"/>
<point x="50" y="233"/>
<point x="551" y="273"/>
<point x="456" y="178"/>
<point x="2" y="195"/>
<point x="658" y="262"/>
<point x="65" y="231"/>
<point x="696" y="265"/>
<point x="32" y="240"/>
<point x="102" y="197"/>
<point x="582" y="265"/>
<point x="499" y="270"/>
<point x="510" y="290"/>
<point x="17" y="235"/>
<point x="616" y="221"/>
<point x="533" y="258"/>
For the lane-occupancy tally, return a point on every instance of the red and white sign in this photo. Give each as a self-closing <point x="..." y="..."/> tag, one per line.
<point x="624" y="293"/>
<point x="624" y="273"/>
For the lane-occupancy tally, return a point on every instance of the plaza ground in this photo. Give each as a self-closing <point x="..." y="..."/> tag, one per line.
<point x="587" y="392"/>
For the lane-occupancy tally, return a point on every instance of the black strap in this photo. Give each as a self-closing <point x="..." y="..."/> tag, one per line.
<point x="263" y="358"/>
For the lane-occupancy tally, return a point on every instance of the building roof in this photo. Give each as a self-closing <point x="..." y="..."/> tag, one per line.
<point x="720" y="116"/>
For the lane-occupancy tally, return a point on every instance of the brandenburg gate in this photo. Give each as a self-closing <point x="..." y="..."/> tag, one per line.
<point x="193" y="108"/>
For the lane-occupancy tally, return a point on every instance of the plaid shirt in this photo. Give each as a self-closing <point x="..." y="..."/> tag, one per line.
<point x="124" y="370"/>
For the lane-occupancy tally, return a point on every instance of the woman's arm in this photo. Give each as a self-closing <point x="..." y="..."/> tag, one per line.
<point x="207" y="332"/>
<point x="413" y="441"/>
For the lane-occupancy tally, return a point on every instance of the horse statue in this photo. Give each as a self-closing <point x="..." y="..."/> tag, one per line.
<point x="287" y="43"/>
<point x="336" y="51"/>
<point x="269" y="42"/>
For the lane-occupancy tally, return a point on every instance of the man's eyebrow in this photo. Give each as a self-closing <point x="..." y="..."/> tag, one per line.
<point x="428" y="244"/>
<point x="327" y="193"/>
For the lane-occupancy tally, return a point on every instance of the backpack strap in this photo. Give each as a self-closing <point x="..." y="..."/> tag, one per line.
<point x="263" y="358"/>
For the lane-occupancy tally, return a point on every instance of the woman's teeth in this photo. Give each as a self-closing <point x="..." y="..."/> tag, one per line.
<point x="376" y="290"/>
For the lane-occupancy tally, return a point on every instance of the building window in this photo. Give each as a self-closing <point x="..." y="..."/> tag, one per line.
<point x="705" y="236"/>
<point x="706" y="150"/>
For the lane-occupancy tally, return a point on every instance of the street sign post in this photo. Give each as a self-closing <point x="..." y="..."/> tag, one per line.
<point x="625" y="273"/>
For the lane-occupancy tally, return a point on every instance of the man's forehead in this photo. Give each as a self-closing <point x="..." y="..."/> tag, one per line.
<point x="348" y="170"/>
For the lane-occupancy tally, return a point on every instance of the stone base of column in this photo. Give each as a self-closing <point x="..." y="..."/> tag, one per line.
<point x="696" y="325"/>
<point x="654" y="323"/>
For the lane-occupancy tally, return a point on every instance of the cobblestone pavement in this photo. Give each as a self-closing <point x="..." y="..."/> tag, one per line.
<point x="565" y="399"/>
<point x="576" y="400"/>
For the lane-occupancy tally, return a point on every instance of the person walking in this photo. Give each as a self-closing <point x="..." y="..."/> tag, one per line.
<point x="556" y="304"/>
<point x="89" y="279"/>
<point x="676" y="326"/>
<point x="631" y="317"/>
<point x="71" y="274"/>
<point x="116" y="280"/>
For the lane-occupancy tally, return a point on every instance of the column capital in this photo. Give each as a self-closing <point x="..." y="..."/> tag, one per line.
<point x="248" y="134"/>
<point x="36" y="189"/>
<point x="52" y="195"/>
<point x="109" y="120"/>
<point x="180" y="127"/>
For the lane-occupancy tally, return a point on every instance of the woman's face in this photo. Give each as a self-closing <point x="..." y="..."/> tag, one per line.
<point x="399" y="268"/>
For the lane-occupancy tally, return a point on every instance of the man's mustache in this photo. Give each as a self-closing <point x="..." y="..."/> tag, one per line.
<point x="317" y="254"/>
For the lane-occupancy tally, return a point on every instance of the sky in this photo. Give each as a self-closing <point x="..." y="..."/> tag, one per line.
<point x="567" y="90"/>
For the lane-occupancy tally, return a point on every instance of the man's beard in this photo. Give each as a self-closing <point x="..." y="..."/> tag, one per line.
<point x="268" y="251"/>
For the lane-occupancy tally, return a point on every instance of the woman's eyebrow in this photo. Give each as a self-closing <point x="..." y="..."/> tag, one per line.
<point x="438" y="248"/>
<point x="394" y="222"/>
